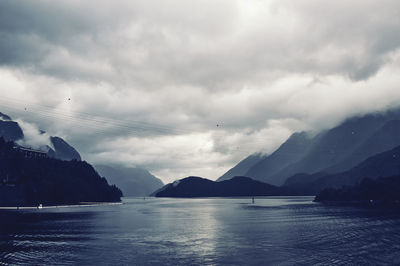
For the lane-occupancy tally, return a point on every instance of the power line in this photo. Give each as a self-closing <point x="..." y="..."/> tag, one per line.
<point x="49" y="112"/>
<point x="101" y="125"/>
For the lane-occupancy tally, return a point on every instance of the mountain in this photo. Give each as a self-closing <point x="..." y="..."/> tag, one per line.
<point x="384" y="164"/>
<point x="4" y="117"/>
<point x="132" y="181"/>
<point x="242" y="167"/>
<point x="332" y="151"/>
<point x="385" y="138"/>
<point x="63" y="150"/>
<point x="289" y="152"/>
<point x="334" y="146"/>
<point x="11" y="131"/>
<point x="200" y="187"/>
<point x="36" y="179"/>
<point x="263" y="167"/>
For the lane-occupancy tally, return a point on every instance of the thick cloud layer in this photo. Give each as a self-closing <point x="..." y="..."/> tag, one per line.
<point x="190" y="88"/>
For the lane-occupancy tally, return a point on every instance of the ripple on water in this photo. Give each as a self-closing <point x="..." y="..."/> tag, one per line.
<point x="273" y="231"/>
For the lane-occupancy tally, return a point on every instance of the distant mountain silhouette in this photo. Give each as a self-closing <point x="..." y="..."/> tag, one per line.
<point x="332" y="151"/>
<point x="288" y="153"/>
<point x="132" y="181"/>
<point x="335" y="145"/>
<point x="384" y="164"/>
<point x="242" y="167"/>
<point x="385" y="138"/>
<point x="200" y="187"/>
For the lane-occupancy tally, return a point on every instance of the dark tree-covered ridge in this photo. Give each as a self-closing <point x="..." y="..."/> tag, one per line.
<point x="379" y="191"/>
<point x="236" y="187"/>
<point x="50" y="181"/>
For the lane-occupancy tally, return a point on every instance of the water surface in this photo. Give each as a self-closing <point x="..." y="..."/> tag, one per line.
<point x="209" y="231"/>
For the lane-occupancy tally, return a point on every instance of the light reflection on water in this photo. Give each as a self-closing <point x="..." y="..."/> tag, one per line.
<point x="213" y="231"/>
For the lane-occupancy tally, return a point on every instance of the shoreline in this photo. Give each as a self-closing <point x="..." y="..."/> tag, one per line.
<point x="81" y="204"/>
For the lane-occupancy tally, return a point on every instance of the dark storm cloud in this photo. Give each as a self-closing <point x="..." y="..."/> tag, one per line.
<point x="198" y="44"/>
<point x="55" y="39"/>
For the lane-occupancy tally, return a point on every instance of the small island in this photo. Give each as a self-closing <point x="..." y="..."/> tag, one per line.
<point x="238" y="186"/>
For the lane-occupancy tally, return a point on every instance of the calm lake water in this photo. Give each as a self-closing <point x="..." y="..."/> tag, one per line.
<point x="212" y="231"/>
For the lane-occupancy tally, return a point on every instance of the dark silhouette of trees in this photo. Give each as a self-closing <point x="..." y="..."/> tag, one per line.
<point x="385" y="190"/>
<point x="51" y="181"/>
<point x="200" y="187"/>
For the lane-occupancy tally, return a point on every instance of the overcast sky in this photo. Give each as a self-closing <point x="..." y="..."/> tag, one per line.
<point x="192" y="87"/>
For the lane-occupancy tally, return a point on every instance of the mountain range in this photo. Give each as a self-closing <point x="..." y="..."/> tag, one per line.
<point x="132" y="181"/>
<point x="361" y="147"/>
<point x="378" y="166"/>
<point x="383" y="164"/>
<point x="332" y="151"/>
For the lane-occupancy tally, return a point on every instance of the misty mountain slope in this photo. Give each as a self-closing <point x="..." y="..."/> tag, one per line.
<point x="132" y="181"/>
<point x="289" y="152"/>
<point x="63" y="150"/>
<point x="335" y="145"/>
<point x="299" y="180"/>
<point x="382" y="140"/>
<point x="242" y="167"/>
<point x="4" y="117"/>
<point x="333" y="150"/>
<point x="384" y="164"/>
<point x="9" y="129"/>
